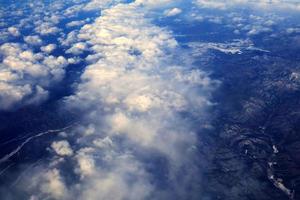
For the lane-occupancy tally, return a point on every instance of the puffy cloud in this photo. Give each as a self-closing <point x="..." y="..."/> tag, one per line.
<point x="255" y="30"/>
<point x="112" y="184"/>
<point x="74" y="60"/>
<point x="103" y="143"/>
<point x="98" y="5"/>
<point x="138" y="90"/>
<point x="48" y="48"/>
<point x="260" y="4"/>
<point x="14" y="31"/>
<point x="46" y="183"/>
<point x="53" y="185"/>
<point x="212" y="4"/>
<point x="25" y="75"/>
<point x="47" y="28"/>
<point x="62" y="148"/>
<point x="155" y="3"/>
<point x="73" y="10"/>
<point x="78" y="48"/>
<point x="77" y="23"/>
<point x="86" y="163"/>
<point x="33" y="40"/>
<point x="172" y="12"/>
<point x="293" y="30"/>
<point x="138" y="101"/>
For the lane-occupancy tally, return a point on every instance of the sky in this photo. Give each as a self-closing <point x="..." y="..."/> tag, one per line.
<point x="134" y="84"/>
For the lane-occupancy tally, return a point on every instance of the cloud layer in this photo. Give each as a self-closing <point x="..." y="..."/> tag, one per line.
<point x="139" y="104"/>
<point x="26" y="76"/>
<point x="259" y="4"/>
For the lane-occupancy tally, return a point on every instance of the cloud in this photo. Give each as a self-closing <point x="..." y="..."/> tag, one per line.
<point x="255" y="30"/>
<point x="47" y="28"/>
<point x="141" y="102"/>
<point x="132" y="94"/>
<point x="85" y="161"/>
<point x="14" y="31"/>
<point x="260" y="4"/>
<point x="293" y="30"/>
<point x="172" y="12"/>
<point x="98" y="5"/>
<point x="102" y="185"/>
<point x="77" y="48"/>
<point x="48" y="48"/>
<point x="53" y="185"/>
<point x="138" y="98"/>
<point x="77" y="23"/>
<point x="25" y="76"/>
<point x="46" y="182"/>
<point x="103" y="143"/>
<point x="62" y="148"/>
<point x="33" y="40"/>
<point x="212" y="4"/>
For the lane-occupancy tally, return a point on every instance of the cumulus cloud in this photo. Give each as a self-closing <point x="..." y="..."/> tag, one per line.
<point x="78" y="48"/>
<point x="86" y="164"/>
<point x="212" y="4"/>
<point x="138" y="100"/>
<point x="48" y="48"/>
<point x="33" y="40"/>
<point x="53" y="185"/>
<point x="48" y="183"/>
<point x="158" y="4"/>
<point x="62" y="148"/>
<point x="77" y="23"/>
<point x="172" y="12"/>
<point x="260" y="4"/>
<point x="98" y="5"/>
<point x="133" y="94"/>
<point x="141" y="102"/>
<point x="25" y="76"/>
<point x="47" y="28"/>
<point x="14" y="31"/>
<point x="293" y="30"/>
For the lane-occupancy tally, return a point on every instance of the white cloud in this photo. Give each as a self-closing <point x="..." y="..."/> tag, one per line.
<point x="293" y="30"/>
<point x="155" y="3"/>
<point x="53" y="185"/>
<point x="259" y="4"/>
<point x="77" y="23"/>
<point x="14" y="31"/>
<point x="73" y="10"/>
<point x="48" y="48"/>
<point x="77" y="48"/>
<point x="98" y="5"/>
<point x="43" y="182"/>
<point x="86" y="163"/>
<point x="47" y="28"/>
<point x="138" y="91"/>
<point x="212" y="4"/>
<point x="111" y="184"/>
<point x="25" y="76"/>
<point x="255" y="30"/>
<point x="33" y="40"/>
<point x="62" y="148"/>
<point x="74" y="60"/>
<point x="173" y="12"/>
<point x="136" y="97"/>
<point x="103" y="143"/>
